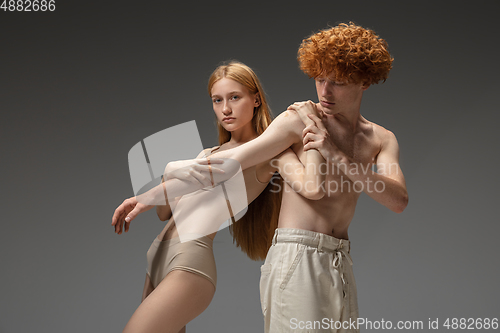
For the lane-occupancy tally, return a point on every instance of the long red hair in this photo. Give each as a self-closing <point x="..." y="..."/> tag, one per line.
<point x="252" y="233"/>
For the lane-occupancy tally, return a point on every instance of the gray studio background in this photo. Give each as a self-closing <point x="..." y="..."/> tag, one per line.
<point x="81" y="85"/>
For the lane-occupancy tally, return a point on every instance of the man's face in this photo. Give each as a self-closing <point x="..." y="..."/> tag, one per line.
<point x="337" y="96"/>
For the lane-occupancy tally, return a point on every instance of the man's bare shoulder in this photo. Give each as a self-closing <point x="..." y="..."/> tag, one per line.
<point x="378" y="137"/>
<point x="290" y="121"/>
<point x="380" y="132"/>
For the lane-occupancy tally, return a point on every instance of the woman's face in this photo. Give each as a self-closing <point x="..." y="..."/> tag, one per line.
<point x="233" y="104"/>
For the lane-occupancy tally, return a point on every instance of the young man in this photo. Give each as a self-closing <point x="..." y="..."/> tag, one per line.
<point x="307" y="282"/>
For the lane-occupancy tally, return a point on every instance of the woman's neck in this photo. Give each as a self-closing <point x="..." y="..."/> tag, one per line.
<point x="242" y="135"/>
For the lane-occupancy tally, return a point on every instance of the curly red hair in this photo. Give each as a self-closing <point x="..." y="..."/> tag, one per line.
<point x="350" y="52"/>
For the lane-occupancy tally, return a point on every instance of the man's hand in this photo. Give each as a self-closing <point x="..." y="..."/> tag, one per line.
<point x="304" y="109"/>
<point x="126" y="212"/>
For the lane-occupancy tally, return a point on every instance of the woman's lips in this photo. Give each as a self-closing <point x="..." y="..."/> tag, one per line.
<point x="228" y="119"/>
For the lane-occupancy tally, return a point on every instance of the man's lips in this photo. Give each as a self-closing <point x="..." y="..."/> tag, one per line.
<point x="326" y="103"/>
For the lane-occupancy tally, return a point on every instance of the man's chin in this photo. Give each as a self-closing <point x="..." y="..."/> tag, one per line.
<point x="326" y="111"/>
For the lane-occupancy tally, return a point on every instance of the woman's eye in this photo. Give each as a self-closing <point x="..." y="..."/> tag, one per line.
<point x="235" y="97"/>
<point x="216" y="100"/>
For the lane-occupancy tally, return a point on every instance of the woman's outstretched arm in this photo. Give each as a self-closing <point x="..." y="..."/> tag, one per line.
<point x="164" y="211"/>
<point x="282" y="133"/>
<point x="167" y="191"/>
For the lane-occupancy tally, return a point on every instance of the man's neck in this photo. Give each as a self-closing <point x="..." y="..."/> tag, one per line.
<point x="349" y="120"/>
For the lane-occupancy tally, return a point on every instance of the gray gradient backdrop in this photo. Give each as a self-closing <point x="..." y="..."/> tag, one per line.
<point x="81" y="85"/>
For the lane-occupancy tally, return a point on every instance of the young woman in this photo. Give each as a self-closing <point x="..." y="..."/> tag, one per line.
<point x="181" y="278"/>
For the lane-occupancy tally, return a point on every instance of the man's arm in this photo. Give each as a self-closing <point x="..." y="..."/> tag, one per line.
<point x="303" y="179"/>
<point x="387" y="186"/>
<point x="395" y="196"/>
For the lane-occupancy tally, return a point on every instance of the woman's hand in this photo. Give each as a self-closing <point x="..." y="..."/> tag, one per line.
<point x="197" y="171"/>
<point x="126" y="212"/>
<point x="304" y="109"/>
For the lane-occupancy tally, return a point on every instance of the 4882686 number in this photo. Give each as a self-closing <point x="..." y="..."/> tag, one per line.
<point x="471" y="323"/>
<point x="28" y="5"/>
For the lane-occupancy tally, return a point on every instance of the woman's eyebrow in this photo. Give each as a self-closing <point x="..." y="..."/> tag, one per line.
<point x="229" y="93"/>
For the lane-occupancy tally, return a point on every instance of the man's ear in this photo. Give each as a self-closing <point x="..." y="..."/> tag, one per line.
<point x="257" y="100"/>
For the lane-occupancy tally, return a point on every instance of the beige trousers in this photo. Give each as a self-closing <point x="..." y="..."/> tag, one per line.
<point x="307" y="284"/>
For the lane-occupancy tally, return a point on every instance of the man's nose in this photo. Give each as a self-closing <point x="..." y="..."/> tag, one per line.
<point x="326" y="89"/>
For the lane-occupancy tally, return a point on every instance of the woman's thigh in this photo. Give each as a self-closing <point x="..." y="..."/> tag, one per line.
<point x="178" y="299"/>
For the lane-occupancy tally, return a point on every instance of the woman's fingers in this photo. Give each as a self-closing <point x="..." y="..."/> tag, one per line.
<point x="126" y="212"/>
<point x="118" y="227"/>
<point x="118" y="213"/>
